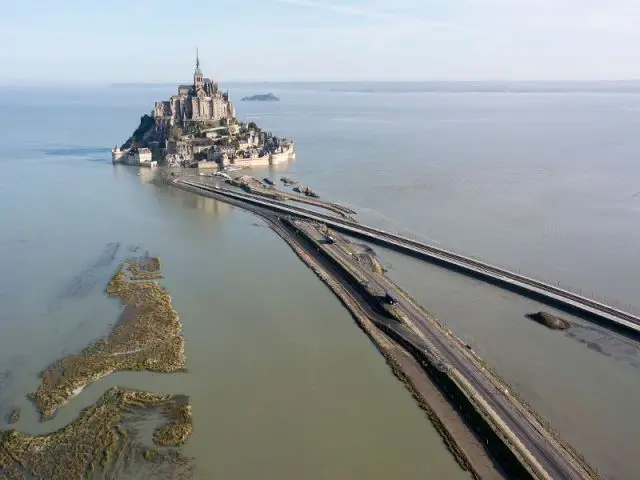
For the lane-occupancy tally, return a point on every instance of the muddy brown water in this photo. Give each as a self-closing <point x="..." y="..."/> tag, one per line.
<point x="282" y="382"/>
<point x="545" y="183"/>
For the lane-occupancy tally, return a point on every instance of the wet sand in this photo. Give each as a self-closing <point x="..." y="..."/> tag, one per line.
<point x="102" y="440"/>
<point x="147" y="336"/>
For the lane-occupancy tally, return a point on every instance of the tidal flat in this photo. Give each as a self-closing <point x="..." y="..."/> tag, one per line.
<point x="147" y="336"/>
<point x="103" y="441"/>
<point x="112" y="438"/>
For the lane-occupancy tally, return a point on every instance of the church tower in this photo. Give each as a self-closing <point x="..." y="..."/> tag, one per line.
<point x="198" y="79"/>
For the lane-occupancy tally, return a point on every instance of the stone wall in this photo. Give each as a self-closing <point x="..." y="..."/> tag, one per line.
<point x="253" y="162"/>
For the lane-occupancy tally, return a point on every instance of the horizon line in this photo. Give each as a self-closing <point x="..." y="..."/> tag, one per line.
<point x="54" y="83"/>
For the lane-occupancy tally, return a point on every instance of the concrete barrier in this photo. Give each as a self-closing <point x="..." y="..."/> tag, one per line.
<point x="516" y="461"/>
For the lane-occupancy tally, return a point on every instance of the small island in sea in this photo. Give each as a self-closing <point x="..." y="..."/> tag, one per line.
<point x="198" y="127"/>
<point x="263" y="97"/>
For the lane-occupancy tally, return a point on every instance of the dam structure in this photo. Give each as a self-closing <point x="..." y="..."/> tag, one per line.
<point x="606" y="315"/>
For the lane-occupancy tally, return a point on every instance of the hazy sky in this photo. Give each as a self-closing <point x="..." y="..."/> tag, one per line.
<point x="84" y="41"/>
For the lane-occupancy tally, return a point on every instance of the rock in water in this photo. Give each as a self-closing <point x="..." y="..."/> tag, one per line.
<point x="14" y="416"/>
<point x="548" y="320"/>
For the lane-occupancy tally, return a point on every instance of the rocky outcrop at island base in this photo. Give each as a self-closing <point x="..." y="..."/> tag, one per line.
<point x="140" y="136"/>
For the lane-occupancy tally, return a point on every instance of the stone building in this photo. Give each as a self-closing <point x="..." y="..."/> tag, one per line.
<point x="201" y="101"/>
<point x="141" y="157"/>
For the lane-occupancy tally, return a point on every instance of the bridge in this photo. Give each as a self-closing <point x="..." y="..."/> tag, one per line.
<point x="604" y="314"/>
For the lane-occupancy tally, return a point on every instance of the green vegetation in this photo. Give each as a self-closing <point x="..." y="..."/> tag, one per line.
<point x="179" y="426"/>
<point x="104" y="440"/>
<point x="146" y="337"/>
<point x="96" y="440"/>
<point x="146" y="123"/>
<point x="254" y="127"/>
<point x="150" y="455"/>
<point x="192" y="128"/>
<point x="175" y="132"/>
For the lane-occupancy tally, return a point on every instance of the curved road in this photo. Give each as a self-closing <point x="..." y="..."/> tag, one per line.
<point x="549" y="454"/>
<point x="534" y="288"/>
<point x="555" y="460"/>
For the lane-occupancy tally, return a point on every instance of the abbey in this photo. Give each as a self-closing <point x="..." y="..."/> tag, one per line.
<point x="201" y="101"/>
<point x="198" y="128"/>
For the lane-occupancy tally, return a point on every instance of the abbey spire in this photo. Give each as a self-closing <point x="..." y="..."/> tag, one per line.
<point x="198" y="78"/>
<point x="201" y="101"/>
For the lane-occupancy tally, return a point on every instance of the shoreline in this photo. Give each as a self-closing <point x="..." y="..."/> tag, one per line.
<point x="105" y="437"/>
<point x="146" y="336"/>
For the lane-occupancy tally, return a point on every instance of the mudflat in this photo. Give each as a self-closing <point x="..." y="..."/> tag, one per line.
<point x="147" y="336"/>
<point x="101" y="439"/>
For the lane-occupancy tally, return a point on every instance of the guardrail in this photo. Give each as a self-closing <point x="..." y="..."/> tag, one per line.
<point x="619" y="319"/>
<point x="501" y="440"/>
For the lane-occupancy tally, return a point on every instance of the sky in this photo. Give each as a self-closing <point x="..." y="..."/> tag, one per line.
<point x="101" y="42"/>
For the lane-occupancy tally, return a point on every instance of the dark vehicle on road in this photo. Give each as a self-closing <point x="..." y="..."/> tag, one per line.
<point x="390" y="299"/>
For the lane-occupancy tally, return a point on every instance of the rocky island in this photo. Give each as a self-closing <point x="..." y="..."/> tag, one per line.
<point x="264" y="97"/>
<point x="198" y="127"/>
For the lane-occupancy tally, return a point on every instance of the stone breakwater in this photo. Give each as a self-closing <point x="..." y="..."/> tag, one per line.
<point x="402" y="365"/>
<point x="147" y="336"/>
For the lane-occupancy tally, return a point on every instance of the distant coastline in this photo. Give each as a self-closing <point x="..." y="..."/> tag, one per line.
<point x="440" y="86"/>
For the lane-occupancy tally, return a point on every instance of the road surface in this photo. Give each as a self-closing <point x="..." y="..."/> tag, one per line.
<point x="546" y="455"/>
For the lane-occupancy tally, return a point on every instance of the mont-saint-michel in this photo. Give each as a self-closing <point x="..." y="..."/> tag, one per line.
<point x="198" y="127"/>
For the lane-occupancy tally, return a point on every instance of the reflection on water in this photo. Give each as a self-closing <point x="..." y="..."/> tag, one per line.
<point x="213" y="206"/>
<point x="281" y="167"/>
<point x="282" y="382"/>
<point x="205" y="204"/>
<point x="518" y="180"/>
<point x="146" y="175"/>
<point x="607" y="343"/>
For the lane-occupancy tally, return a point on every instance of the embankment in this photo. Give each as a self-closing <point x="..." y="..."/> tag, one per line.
<point x="440" y="374"/>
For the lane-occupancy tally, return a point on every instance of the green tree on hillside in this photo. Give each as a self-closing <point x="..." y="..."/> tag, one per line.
<point x="146" y="123"/>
